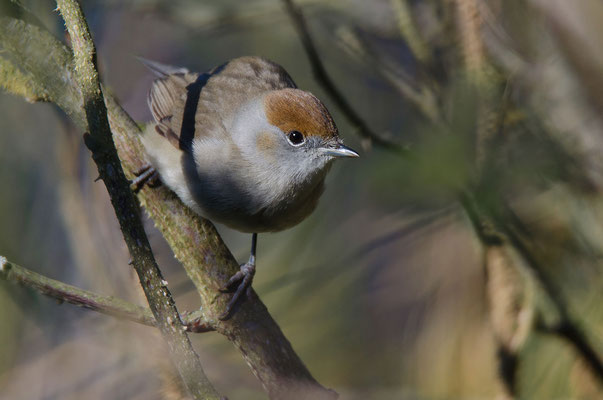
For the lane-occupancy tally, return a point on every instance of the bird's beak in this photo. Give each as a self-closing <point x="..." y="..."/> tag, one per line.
<point x="340" y="151"/>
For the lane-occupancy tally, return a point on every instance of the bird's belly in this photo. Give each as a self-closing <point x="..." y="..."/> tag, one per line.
<point x="221" y="198"/>
<point x="241" y="208"/>
<point x="244" y="214"/>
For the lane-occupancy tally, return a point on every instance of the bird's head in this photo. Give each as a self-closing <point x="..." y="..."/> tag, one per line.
<point x="290" y="131"/>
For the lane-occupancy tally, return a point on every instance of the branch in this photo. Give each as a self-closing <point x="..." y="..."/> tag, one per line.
<point x="108" y="305"/>
<point x="419" y="94"/>
<point x="209" y="263"/>
<point x="323" y="78"/>
<point x="195" y="242"/>
<point x="409" y="31"/>
<point x="24" y="42"/>
<point x="100" y="142"/>
<point x="566" y="327"/>
<point x="570" y="332"/>
<point x="510" y="292"/>
<point x="492" y="231"/>
<point x="18" y="83"/>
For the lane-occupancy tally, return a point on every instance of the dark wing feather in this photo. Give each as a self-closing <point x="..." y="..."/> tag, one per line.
<point x="164" y="97"/>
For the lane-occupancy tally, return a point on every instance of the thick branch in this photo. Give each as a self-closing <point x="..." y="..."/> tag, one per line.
<point x="100" y="142"/>
<point x="109" y="305"/>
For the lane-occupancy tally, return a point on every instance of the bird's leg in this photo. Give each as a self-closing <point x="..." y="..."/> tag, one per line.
<point x="241" y="280"/>
<point x="146" y="174"/>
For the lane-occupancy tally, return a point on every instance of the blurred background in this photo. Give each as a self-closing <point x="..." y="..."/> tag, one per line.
<point x="465" y="262"/>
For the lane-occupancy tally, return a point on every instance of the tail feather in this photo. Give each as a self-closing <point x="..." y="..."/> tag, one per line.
<point x="162" y="70"/>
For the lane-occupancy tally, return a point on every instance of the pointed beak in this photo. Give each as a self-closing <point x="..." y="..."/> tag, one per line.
<point x="340" y="151"/>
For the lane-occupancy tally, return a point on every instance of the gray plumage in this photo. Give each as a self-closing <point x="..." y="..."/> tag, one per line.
<point x="204" y="144"/>
<point x="241" y="145"/>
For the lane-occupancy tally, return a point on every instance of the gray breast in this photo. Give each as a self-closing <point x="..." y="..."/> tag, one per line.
<point x="228" y="197"/>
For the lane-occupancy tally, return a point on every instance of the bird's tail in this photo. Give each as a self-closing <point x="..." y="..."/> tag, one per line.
<point x="162" y="70"/>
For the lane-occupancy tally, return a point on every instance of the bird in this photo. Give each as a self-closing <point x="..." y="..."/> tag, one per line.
<point x="240" y="145"/>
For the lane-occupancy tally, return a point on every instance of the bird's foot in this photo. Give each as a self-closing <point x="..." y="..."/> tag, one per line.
<point x="241" y="281"/>
<point x="145" y="175"/>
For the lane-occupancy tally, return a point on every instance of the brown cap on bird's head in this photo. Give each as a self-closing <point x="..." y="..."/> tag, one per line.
<point x="296" y="110"/>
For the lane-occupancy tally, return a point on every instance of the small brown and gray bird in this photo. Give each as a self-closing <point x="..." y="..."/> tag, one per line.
<point x="242" y="146"/>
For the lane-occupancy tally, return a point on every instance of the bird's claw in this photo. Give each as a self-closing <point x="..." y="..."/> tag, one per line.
<point x="145" y="175"/>
<point x="242" y="282"/>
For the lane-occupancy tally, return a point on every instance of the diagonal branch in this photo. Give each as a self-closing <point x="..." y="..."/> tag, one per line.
<point x="108" y="305"/>
<point x="419" y="94"/>
<point x="323" y="78"/>
<point x="70" y="294"/>
<point x="104" y="153"/>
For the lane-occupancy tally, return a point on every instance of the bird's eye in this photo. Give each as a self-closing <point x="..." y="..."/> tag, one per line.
<point x="295" y="137"/>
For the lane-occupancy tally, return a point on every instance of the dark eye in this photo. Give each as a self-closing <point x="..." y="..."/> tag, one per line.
<point x="295" y="137"/>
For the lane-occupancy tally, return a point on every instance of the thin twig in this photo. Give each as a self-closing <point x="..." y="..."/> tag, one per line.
<point x="196" y="322"/>
<point x="109" y="305"/>
<point x="104" y="153"/>
<point x="323" y="78"/>
<point x="70" y="294"/>
<point x="410" y="33"/>
<point x="419" y="94"/>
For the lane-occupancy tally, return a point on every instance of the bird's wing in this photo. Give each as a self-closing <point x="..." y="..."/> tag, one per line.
<point x="187" y="105"/>
<point x="165" y="96"/>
